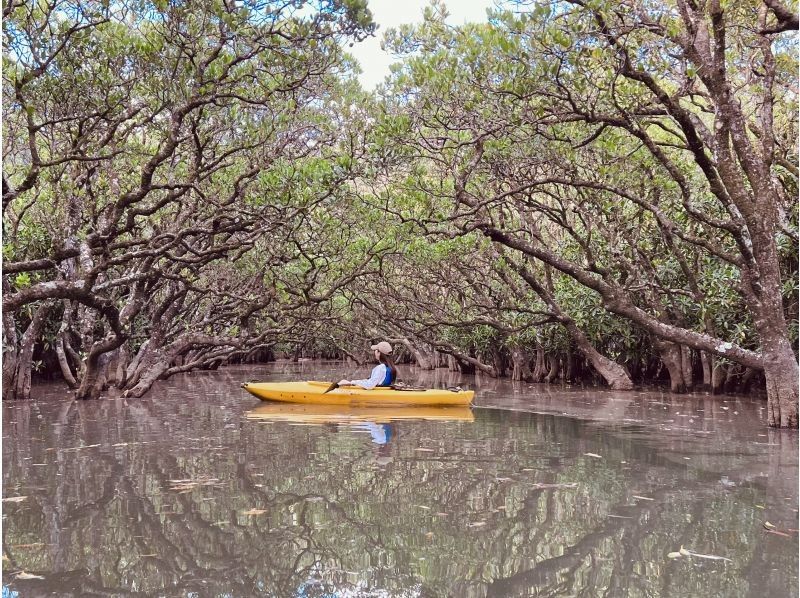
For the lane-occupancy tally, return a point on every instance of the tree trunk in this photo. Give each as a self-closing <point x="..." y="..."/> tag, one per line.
<point x="22" y="376"/>
<point x="146" y="360"/>
<point x="633" y="367"/>
<point x="87" y="318"/>
<point x="730" y="379"/>
<point x="423" y="359"/>
<point x="707" y="361"/>
<point x="147" y="379"/>
<point x="612" y="372"/>
<point x="569" y="366"/>
<point x="133" y="367"/>
<point x="521" y="365"/>
<point x="781" y="374"/>
<point x="62" y="347"/>
<point x="553" y="370"/>
<point x="72" y="354"/>
<point x="150" y="365"/>
<point x="98" y="360"/>
<point x="122" y="366"/>
<point x="97" y="363"/>
<point x="452" y="364"/>
<point x="112" y="367"/>
<point x="10" y="354"/>
<point x="687" y="367"/>
<point x="718" y="374"/>
<point x="747" y="378"/>
<point x="498" y="362"/>
<point x="540" y="370"/>
<point x="63" y="363"/>
<point x="671" y="357"/>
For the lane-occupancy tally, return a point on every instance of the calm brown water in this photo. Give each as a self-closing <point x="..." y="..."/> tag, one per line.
<point x="540" y="491"/>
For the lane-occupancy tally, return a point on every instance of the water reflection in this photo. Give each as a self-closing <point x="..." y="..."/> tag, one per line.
<point x="320" y="414"/>
<point x="200" y="489"/>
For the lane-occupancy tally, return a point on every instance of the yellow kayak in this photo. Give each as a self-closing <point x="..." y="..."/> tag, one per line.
<point x="312" y="393"/>
<point x="343" y="414"/>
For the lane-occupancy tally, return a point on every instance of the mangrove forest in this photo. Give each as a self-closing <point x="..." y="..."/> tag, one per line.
<point x="572" y="191"/>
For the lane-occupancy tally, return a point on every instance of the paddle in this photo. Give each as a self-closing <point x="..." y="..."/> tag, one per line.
<point x="331" y="387"/>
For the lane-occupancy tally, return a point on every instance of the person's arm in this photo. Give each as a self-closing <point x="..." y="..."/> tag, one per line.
<point x="377" y="376"/>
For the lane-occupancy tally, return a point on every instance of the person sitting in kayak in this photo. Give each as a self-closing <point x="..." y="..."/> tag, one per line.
<point x="383" y="374"/>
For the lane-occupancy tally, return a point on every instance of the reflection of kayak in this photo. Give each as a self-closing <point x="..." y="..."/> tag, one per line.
<point x="322" y="414"/>
<point x="311" y="392"/>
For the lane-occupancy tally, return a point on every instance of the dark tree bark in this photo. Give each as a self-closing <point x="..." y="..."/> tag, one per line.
<point x="671" y="357"/>
<point x="540" y="370"/>
<point x="10" y="354"/>
<point x="707" y="361"/>
<point x="718" y="375"/>
<point x="521" y="365"/>
<point x="63" y="362"/>
<point x="20" y="387"/>
<point x="554" y="365"/>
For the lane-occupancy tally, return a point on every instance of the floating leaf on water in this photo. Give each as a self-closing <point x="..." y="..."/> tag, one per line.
<point x="571" y="485"/>
<point x="26" y="575"/>
<point x="712" y="557"/>
<point x="595" y="455"/>
<point x="189" y="484"/>
<point x="80" y="448"/>
<point x="15" y="499"/>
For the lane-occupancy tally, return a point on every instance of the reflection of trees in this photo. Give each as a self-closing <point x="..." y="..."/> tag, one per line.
<point x="478" y="513"/>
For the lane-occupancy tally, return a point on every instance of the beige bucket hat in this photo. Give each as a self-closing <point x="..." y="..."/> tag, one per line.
<point x="382" y="347"/>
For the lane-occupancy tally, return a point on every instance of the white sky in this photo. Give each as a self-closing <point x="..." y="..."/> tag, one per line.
<point x="391" y="13"/>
